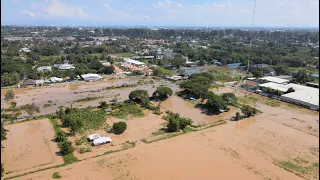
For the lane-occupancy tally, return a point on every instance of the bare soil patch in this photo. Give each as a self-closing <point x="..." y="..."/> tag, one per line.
<point x="29" y="146"/>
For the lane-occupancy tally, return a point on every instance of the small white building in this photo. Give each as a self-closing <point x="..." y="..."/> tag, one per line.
<point x="91" y="77"/>
<point x="66" y="67"/>
<point x="26" y="50"/>
<point x="101" y="140"/>
<point x="55" y="79"/>
<point x="44" y="68"/>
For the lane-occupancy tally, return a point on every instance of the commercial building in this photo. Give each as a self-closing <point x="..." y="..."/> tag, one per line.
<point x="275" y="80"/>
<point x="133" y="62"/>
<point x="302" y="95"/>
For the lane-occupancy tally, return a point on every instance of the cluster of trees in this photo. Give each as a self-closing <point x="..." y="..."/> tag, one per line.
<point x="197" y="85"/>
<point x="79" y="120"/>
<point x="142" y="96"/>
<point x="175" y="122"/>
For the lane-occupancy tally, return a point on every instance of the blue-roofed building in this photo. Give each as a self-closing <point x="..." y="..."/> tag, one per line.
<point x="315" y="75"/>
<point x="234" y="65"/>
<point x="188" y="72"/>
<point x="218" y="63"/>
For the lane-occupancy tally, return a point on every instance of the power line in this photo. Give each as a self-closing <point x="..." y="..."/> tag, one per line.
<point x="254" y="12"/>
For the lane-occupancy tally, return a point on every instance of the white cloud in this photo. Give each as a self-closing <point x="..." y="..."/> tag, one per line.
<point x="159" y="5"/>
<point x="179" y="5"/>
<point x="167" y="3"/>
<point x="34" y="5"/>
<point x="58" y="9"/>
<point x="29" y="13"/>
<point x="116" y="14"/>
<point x="147" y="17"/>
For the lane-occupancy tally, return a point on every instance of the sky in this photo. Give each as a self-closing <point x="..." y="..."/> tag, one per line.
<point x="206" y="13"/>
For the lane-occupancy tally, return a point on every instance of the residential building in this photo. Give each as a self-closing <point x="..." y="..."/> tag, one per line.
<point x="44" y="68"/>
<point x="55" y="79"/>
<point x="26" y="50"/>
<point x="64" y="66"/>
<point x="29" y="82"/>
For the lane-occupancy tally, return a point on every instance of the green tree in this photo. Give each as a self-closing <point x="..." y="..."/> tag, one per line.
<point x="139" y="96"/>
<point x="237" y="116"/>
<point x="66" y="147"/>
<point x="229" y="98"/>
<point x="119" y="127"/>
<point x="9" y="94"/>
<point x="216" y="103"/>
<point x="248" y="110"/>
<point x="2" y="170"/>
<point x="162" y="92"/>
<point x="60" y="136"/>
<point x="257" y="72"/>
<point x="173" y="125"/>
<point x="107" y="70"/>
<point x="194" y="89"/>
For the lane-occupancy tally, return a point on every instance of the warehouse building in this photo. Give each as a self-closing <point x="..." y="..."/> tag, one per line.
<point x="91" y="77"/>
<point x="302" y="95"/>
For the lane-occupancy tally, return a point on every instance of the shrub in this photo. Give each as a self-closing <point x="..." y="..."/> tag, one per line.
<point x="9" y="94"/>
<point x="173" y="125"/>
<point x="248" y="110"/>
<point x="69" y="158"/>
<point x="175" y="122"/>
<point x="60" y="136"/>
<point x="119" y="127"/>
<point x="66" y="147"/>
<point x="237" y="116"/>
<point x="56" y="175"/>
<point x="80" y="141"/>
<point x="84" y="149"/>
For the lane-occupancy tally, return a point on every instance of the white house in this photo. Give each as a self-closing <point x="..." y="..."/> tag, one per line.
<point x="44" y="68"/>
<point x="91" y="77"/>
<point x="25" y="50"/>
<point x="66" y="66"/>
<point x="55" y="79"/>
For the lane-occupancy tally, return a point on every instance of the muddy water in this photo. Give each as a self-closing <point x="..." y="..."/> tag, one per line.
<point x="187" y="109"/>
<point x="67" y="94"/>
<point x="29" y="145"/>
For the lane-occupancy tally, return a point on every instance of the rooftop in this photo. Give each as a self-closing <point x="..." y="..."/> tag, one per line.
<point x="275" y="79"/>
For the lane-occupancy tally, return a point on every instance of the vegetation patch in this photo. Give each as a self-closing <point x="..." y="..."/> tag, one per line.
<point x="82" y="120"/>
<point x="87" y="99"/>
<point x="300" y="167"/>
<point x="56" y="175"/>
<point x="123" y="110"/>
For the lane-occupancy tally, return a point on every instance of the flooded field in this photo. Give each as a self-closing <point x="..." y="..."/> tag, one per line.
<point x="29" y="146"/>
<point x="187" y="109"/>
<point x="280" y="143"/>
<point x="49" y="98"/>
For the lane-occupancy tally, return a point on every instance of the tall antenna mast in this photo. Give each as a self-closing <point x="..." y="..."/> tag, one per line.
<point x="254" y="11"/>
